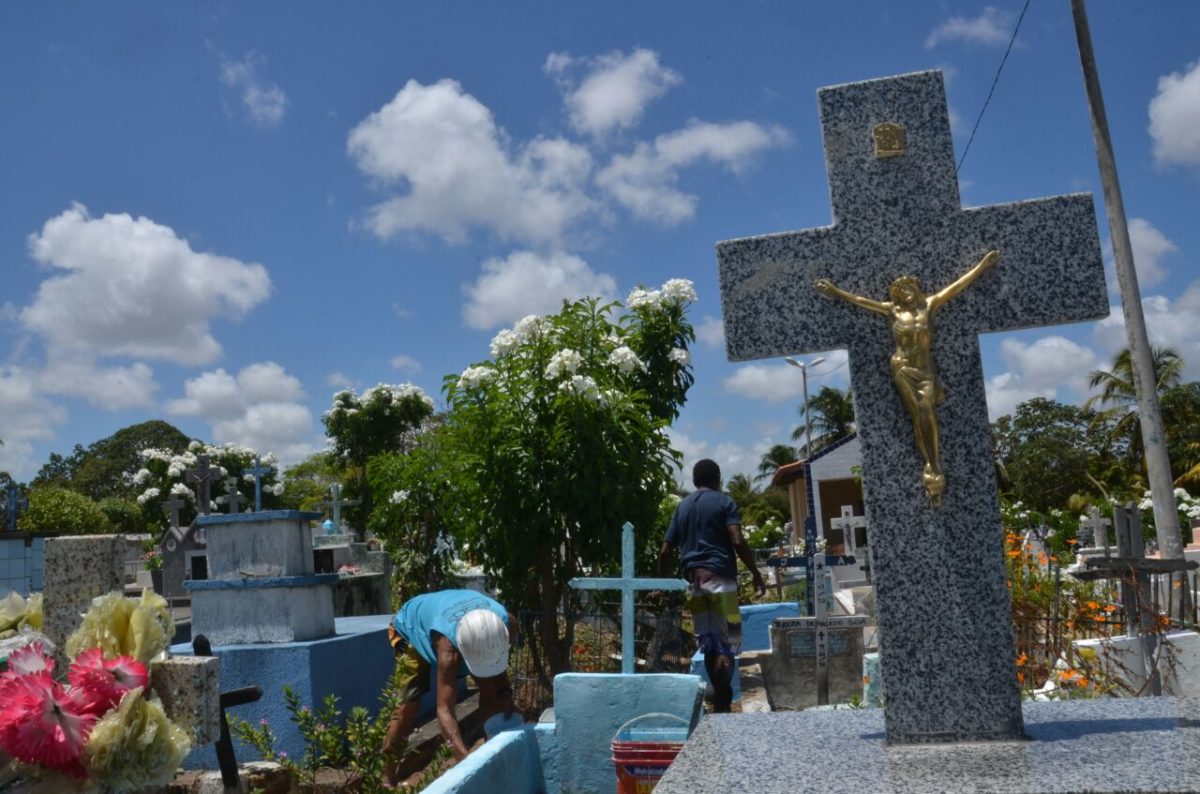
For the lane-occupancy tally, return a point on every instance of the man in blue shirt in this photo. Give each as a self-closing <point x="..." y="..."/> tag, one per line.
<point x="707" y="529"/>
<point x="452" y="629"/>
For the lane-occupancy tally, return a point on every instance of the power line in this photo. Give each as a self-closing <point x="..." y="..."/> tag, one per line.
<point x="992" y="90"/>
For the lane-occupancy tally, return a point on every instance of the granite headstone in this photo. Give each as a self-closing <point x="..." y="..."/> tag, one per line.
<point x="943" y="605"/>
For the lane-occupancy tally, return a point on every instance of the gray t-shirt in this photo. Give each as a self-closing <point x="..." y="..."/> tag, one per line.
<point x="700" y="529"/>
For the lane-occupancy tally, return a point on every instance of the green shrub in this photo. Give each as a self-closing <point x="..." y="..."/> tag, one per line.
<point x="124" y="515"/>
<point x="54" y="509"/>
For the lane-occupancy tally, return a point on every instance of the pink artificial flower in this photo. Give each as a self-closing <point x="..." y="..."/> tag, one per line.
<point x="40" y="724"/>
<point x="28" y="660"/>
<point x="99" y="684"/>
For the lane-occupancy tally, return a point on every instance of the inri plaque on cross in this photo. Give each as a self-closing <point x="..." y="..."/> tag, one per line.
<point x="943" y="607"/>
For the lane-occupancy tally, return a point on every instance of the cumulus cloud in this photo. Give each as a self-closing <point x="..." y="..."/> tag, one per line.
<point x="132" y="287"/>
<point x="451" y="168"/>
<point x="779" y="381"/>
<point x="732" y="458"/>
<point x="1150" y="246"/>
<point x="991" y="28"/>
<point x="1169" y="323"/>
<point x="25" y="417"/>
<point x="615" y="90"/>
<point x="645" y="180"/>
<point x="339" y="380"/>
<point x="711" y="331"/>
<point x="405" y="363"/>
<point x="263" y="101"/>
<point x="258" y="407"/>
<point x="1175" y="117"/>
<point x="530" y="283"/>
<point x="1053" y="367"/>
<point x="110" y="388"/>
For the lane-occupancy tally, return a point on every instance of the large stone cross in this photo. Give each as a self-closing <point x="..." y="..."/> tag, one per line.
<point x="943" y="606"/>
<point x="627" y="583"/>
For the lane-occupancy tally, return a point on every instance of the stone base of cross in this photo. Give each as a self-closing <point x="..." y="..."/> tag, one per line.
<point x="627" y="583"/>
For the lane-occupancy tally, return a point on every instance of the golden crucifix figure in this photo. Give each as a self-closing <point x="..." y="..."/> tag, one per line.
<point x="913" y="369"/>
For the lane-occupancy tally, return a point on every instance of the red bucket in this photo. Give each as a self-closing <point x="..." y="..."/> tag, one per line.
<point x="643" y="748"/>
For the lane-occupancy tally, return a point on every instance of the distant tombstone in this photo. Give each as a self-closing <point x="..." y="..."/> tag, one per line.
<point x="849" y="525"/>
<point x="258" y="471"/>
<point x="203" y="476"/>
<point x="14" y="505"/>
<point x="184" y="555"/>
<point x="172" y="506"/>
<point x="1093" y="530"/>
<point x="233" y="497"/>
<point x="335" y="505"/>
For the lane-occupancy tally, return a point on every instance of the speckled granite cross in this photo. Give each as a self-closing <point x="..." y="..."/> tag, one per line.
<point x="943" y="606"/>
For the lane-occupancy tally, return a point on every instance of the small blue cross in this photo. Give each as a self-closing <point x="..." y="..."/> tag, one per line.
<point x="627" y="584"/>
<point x="14" y="505"/>
<point x="258" y="471"/>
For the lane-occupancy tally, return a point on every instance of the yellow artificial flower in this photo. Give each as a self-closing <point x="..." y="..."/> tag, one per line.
<point x="135" y="745"/>
<point x="16" y="613"/>
<point x="121" y="627"/>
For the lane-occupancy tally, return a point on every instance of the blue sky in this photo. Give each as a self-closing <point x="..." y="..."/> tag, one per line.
<point x="219" y="214"/>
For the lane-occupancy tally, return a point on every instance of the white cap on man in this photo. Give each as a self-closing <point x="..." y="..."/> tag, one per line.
<point x="482" y="639"/>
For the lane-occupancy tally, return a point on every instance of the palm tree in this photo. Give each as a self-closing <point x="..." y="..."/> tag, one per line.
<point x="831" y="415"/>
<point x="741" y="489"/>
<point x="1118" y="397"/>
<point x="778" y="455"/>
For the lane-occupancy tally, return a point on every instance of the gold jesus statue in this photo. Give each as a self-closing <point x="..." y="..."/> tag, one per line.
<point x="913" y="370"/>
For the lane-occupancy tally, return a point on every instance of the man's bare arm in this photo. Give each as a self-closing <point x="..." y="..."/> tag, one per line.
<point x="746" y="556"/>
<point x="447" y="693"/>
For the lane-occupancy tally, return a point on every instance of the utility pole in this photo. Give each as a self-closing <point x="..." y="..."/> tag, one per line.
<point x="1158" y="465"/>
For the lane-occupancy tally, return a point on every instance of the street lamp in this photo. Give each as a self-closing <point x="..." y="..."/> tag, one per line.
<point x="803" y="367"/>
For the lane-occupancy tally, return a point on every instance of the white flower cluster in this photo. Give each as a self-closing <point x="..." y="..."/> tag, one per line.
<point x="142" y="477"/>
<point x="474" y="377"/>
<point x="563" y="362"/>
<point x="529" y="328"/>
<point x="582" y="386"/>
<point x="147" y="495"/>
<point x="624" y="359"/>
<point x="1184" y="502"/>
<point x="680" y="356"/>
<point x="179" y="489"/>
<point x="679" y="290"/>
<point x="676" y="290"/>
<point x="277" y="489"/>
<point x="398" y="497"/>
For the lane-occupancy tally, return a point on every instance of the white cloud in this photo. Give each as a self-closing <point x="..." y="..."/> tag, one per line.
<point x="775" y="383"/>
<point x="406" y="363"/>
<point x="133" y="288"/>
<point x="110" y="388"/>
<point x="615" y="91"/>
<point x="1053" y="367"/>
<point x="263" y="100"/>
<point x="529" y="283"/>
<point x="25" y="417"/>
<point x="339" y="380"/>
<point x="442" y="148"/>
<point x="644" y="181"/>
<point x="1169" y="323"/>
<point x="711" y="331"/>
<point x="780" y="382"/>
<point x="1175" y="118"/>
<point x="992" y="27"/>
<point x="732" y="458"/>
<point x="259" y="407"/>
<point x="1149" y="247"/>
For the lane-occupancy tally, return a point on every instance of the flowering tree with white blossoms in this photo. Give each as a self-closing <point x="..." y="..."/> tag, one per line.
<point x="561" y="437"/>
<point x="163" y="474"/>
<point x="384" y="418"/>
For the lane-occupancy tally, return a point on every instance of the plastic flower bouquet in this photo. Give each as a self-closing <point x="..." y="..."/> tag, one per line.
<point x="100" y="728"/>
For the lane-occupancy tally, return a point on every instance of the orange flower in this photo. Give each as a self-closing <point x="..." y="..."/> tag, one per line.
<point x="1013" y="553"/>
<point x="1072" y="541"/>
<point x="866" y="680"/>
<point x="1043" y="559"/>
<point x="1092" y="605"/>
<point x="1022" y="659"/>
<point x="1110" y="608"/>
